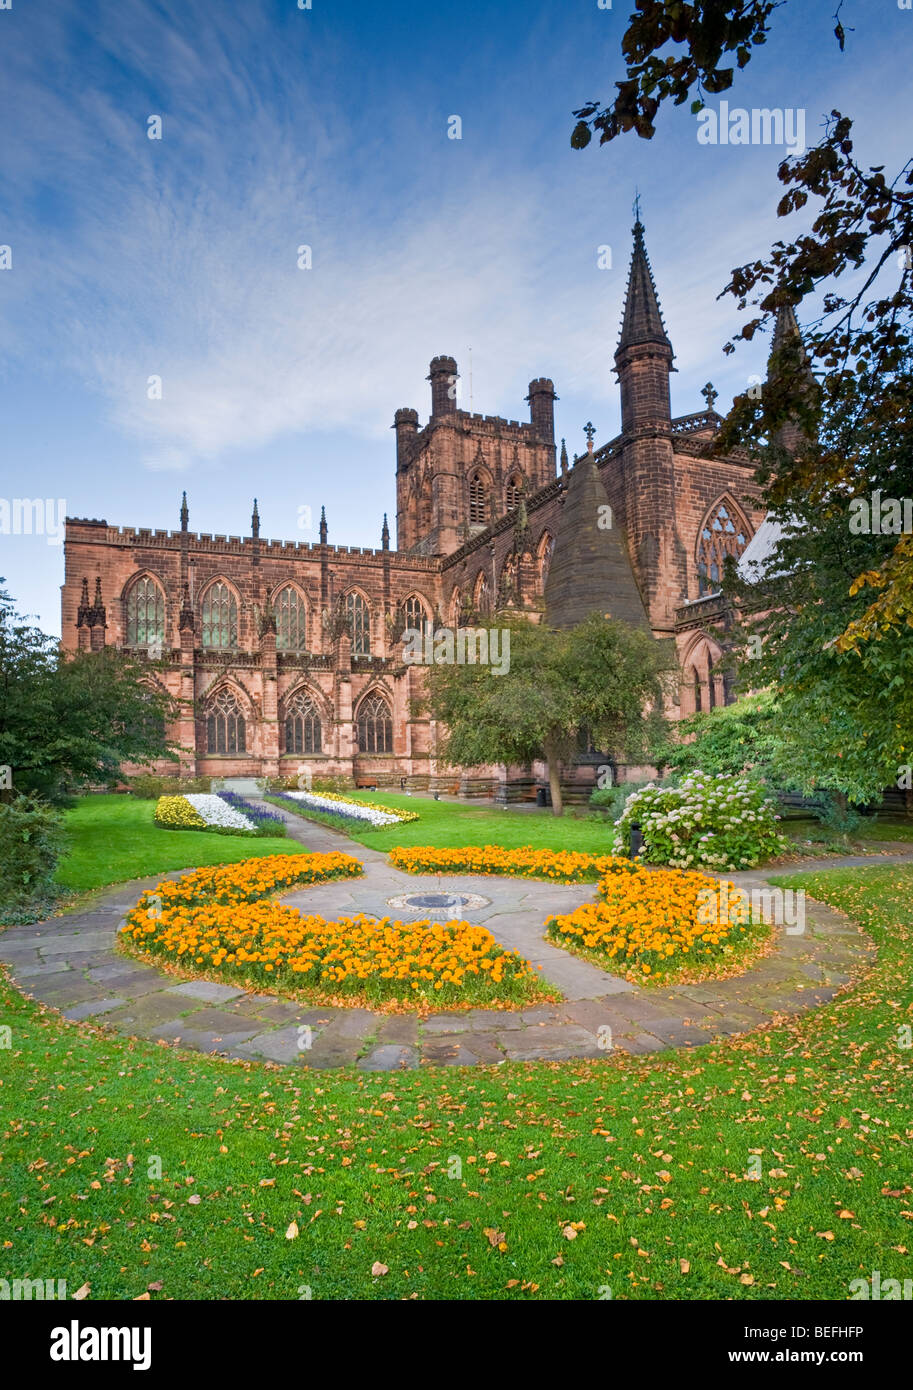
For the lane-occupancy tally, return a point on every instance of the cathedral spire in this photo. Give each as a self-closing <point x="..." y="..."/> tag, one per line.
<point x="643" y="358"/>
<point x="185" y="514"/>
<point x="255" y="521"/>
<point x="323" y="526"/>
<point x="385" y="535"/>
<point x="563" y="459"/>
<point x="642" y="321"/>
<point x="788" y="368"/>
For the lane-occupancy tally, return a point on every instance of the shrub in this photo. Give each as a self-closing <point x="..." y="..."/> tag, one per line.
<point x="732" y="738"/>
<point x="723" y="822"/>
<point x="612" y="799"/>
<point x="31" y="842"/>
<point x="292" y="782"/>
<point x="150" y="787"/>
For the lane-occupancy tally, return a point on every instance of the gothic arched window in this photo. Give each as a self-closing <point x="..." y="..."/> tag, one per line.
<point x="290" y="612"/>
<point x="359" y="624"/>
<point x="220" y="616"/>
<point x="456" y="608"/>
<point x="546" y="546"/>
<point x="302" y="725"/>
<point x="414" y="613"/>
<point x="145" y="614"/>
<point x="482" y="596"/>
<point x="478" y="505"/>
<point x="514" y="493"/>
<point x="225" y="727"/>
<point x="375" y="725"/>
<point x="723" y="533"/>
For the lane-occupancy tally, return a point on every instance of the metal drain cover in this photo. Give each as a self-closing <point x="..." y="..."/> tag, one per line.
<point x="438" y="904"/>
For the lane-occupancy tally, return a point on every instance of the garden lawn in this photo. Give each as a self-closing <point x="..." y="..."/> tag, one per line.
<point x="451" y="823"/>
<point x="644" y="1161"/>
<point x="113" y="838"/>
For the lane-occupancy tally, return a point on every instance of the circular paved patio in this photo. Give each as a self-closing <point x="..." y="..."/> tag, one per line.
<point x="71" y="963"/>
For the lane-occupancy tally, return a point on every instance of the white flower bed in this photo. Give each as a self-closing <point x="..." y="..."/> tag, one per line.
<point x="351" y="809"/>
<point x="215" y="811"/>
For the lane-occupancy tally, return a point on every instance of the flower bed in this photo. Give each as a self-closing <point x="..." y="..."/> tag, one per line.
<point x="723" y="822"/>
<point x="661" y="925"/>
<point x="217" y="922"/>
<point x="265" y="821"/>
<point x="561" y="866"/>
<point x="348" y="808"/>
<point x="397" y="812"/>
<point x="220" y="813"/>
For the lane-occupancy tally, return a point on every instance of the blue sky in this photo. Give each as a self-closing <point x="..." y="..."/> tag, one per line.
<point x="177" y="258"/>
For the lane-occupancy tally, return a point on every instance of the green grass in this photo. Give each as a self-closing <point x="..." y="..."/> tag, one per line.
<point x="886" y="828"/>
<point x="813" y="838"/>
<point x="113" y="838"/>
<point x="650" y="1157"/>
<point x="447" y="823"/>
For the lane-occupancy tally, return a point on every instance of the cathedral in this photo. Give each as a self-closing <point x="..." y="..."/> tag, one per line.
<point x="288" y="655"/>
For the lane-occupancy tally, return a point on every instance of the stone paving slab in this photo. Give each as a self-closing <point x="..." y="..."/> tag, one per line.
<point x="206" y="989"/>
<point x="71" y="963"/>
<point x="92" y="1007"/>
<point x="545" y="1043"/>
<point x="389" y="1057"/>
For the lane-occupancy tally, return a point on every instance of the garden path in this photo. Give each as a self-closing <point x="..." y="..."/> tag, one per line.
<point x="71" y="963"/>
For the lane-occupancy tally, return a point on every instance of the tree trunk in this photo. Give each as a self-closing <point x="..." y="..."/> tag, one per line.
<point x="554" y="780"/>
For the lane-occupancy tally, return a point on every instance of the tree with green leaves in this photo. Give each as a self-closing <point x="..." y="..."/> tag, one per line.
<point x="742" y="737"/>
<point x="601" y="676"/>
<point x="844" y="712"/>
<point x="860" y="234"/>
<point x="832" y="427"/>
<point x="69" y="720"/>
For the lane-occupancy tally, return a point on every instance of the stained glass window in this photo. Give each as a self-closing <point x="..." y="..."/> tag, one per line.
<point x="291" y="620"/>
<point x="375" y="726"/>
<point x="359" y="624"/>
<point x="724" y="533"/>
<point x="145" y="614"/>
<point x="302" y="725"/>
<point x="220" y="616"/>
<point x="225" y="728"/>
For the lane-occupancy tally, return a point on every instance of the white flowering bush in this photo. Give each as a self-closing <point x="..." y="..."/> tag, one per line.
<point x="724" y="822"/>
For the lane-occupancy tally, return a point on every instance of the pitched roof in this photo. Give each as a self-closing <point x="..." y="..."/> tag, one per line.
<point x="590" y="571"/>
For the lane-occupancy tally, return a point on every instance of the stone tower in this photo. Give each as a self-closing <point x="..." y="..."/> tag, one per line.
<point x="642" y="477"/>
<point x="463" y="472"/>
